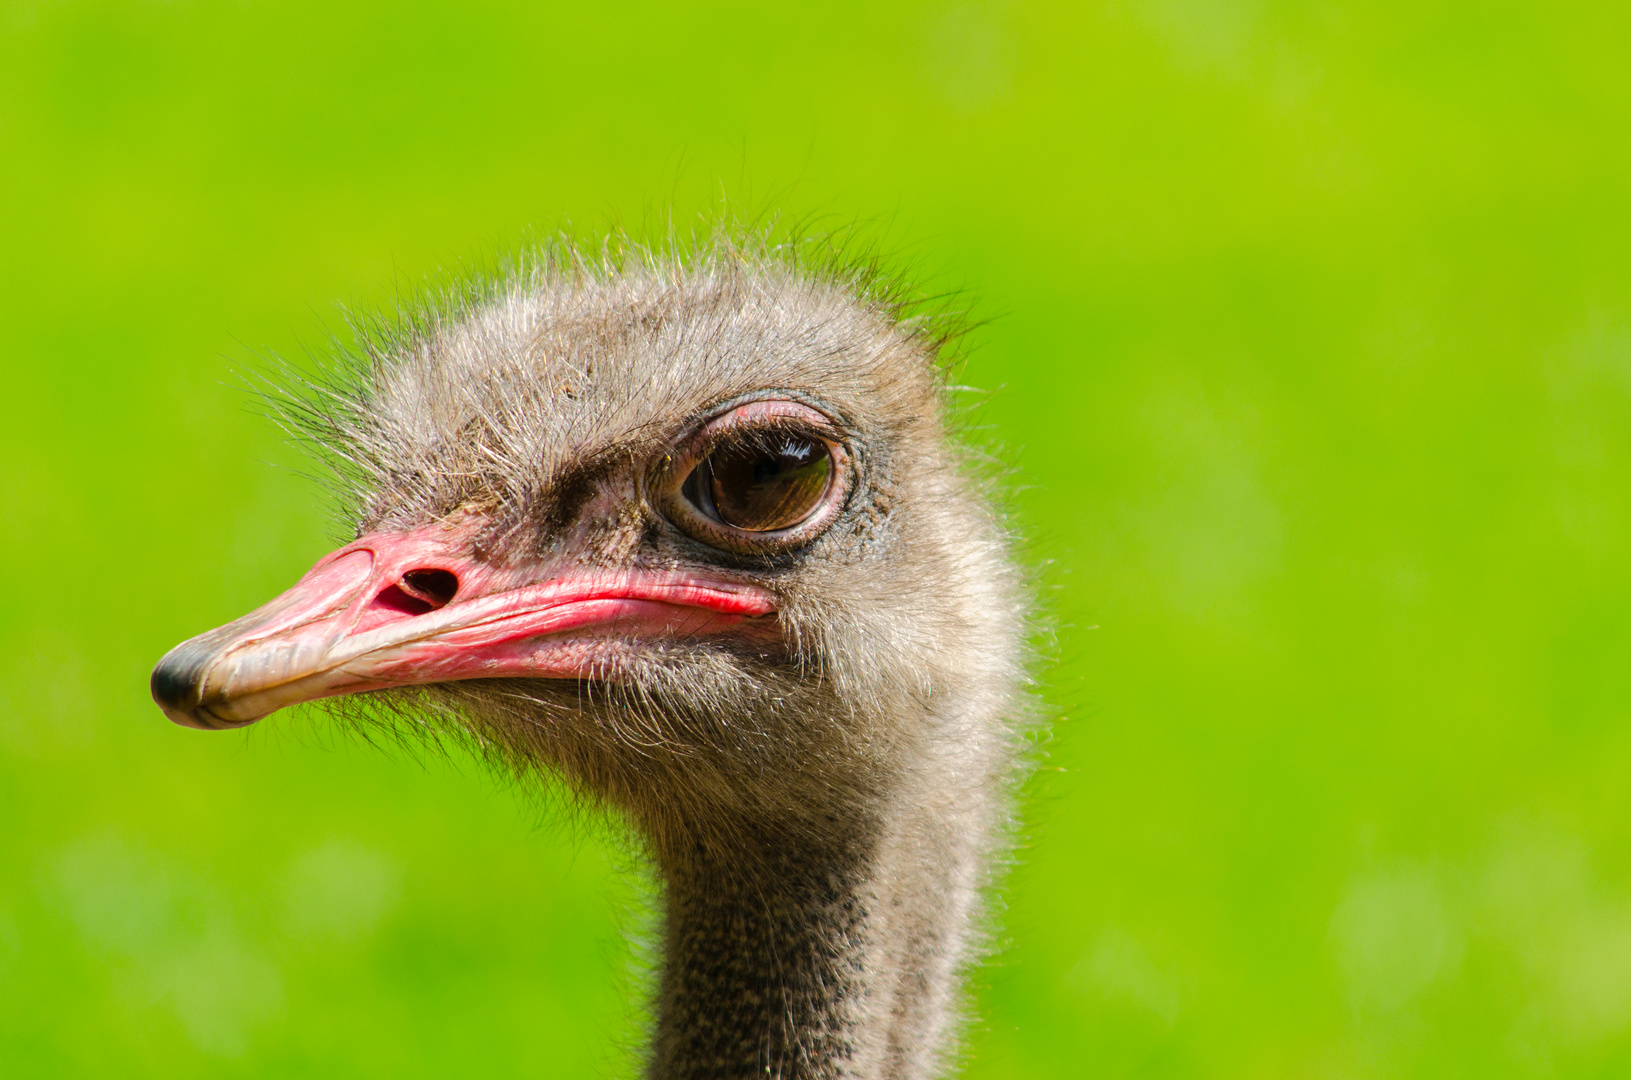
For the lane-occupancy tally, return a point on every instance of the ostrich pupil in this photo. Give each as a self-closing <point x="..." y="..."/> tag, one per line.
<point x="760" y="487"/>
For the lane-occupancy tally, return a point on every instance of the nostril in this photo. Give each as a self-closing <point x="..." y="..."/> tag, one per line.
<point x="433" y="587"/>
<point x="418" y="591"/>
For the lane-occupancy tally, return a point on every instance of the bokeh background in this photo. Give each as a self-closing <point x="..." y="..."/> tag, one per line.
<point x="1309" y="344"/>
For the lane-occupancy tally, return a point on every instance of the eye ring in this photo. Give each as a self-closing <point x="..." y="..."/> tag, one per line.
<point x="769" y="440"/>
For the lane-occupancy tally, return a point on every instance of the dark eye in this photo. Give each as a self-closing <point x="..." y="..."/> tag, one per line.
<point x="764" y="477"/>
<point x="765" y="483"/>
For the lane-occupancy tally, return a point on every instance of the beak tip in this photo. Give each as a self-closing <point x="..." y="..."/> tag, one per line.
<point x="176" y="683"/>
<point x="177" y="676"/>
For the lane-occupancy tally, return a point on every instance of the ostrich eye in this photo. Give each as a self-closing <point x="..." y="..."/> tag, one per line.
<point x="767" y="476"/>
<point x="767" y="483"/>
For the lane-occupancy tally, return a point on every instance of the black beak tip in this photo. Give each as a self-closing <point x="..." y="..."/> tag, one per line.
<point x="175" y="685"/>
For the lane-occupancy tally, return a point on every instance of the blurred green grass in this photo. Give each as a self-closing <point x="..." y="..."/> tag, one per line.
<point x="1312" y="358"/>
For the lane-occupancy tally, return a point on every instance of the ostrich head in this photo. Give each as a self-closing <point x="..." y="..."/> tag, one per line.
<point x="690" y="532"/>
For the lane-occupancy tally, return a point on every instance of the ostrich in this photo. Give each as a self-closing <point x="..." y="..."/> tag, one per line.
<point x="689" y="530"/>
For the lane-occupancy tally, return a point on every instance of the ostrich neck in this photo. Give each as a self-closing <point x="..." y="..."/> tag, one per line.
<point x="799" y="960"/>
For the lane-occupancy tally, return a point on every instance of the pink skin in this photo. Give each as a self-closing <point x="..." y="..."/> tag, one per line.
<point x="352" y="625"/>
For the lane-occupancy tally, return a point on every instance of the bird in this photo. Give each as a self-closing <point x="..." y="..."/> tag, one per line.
<point x="692" y="527"/>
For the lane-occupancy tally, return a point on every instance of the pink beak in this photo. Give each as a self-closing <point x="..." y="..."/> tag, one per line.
<point x="399" y="610"/>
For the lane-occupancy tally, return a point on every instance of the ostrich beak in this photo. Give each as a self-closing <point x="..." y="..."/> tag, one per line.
<point x="400" y="609"/>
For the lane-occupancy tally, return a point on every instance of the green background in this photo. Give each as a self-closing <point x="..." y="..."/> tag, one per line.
<point x="1311" y="353"/>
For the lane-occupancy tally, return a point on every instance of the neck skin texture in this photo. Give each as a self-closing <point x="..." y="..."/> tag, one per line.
<point x="790" y="958"/>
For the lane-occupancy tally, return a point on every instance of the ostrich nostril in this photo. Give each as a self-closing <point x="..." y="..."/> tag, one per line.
<point x="419" y="591"/>
<point x="434" y="587"/>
